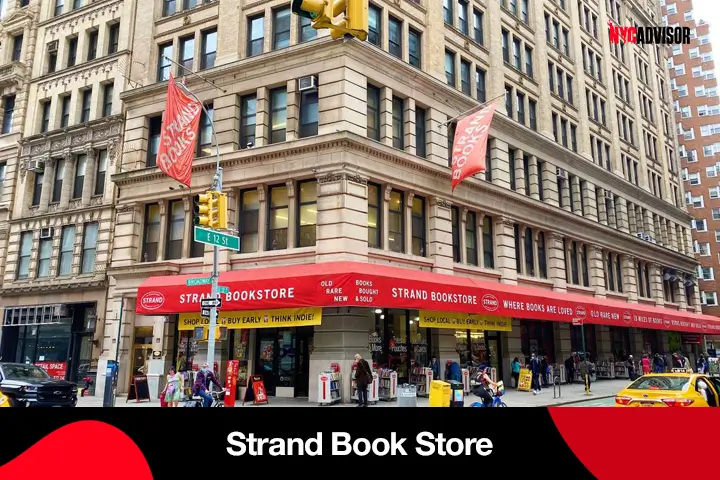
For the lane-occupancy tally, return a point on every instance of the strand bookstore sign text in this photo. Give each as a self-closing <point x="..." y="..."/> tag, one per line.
<point x="648" y="35"/>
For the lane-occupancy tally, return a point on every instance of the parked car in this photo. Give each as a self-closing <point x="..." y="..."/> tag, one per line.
<point x="25" y="385"/>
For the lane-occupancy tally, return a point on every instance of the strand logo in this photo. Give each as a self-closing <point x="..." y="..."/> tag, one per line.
<point x="152" y="300"/>
<point x="648" y="35"/>
<point x="666" y="322"/>
<point x="627" y="317"/>
<point x="580" y="312"/>
<point x="490" y="302"/>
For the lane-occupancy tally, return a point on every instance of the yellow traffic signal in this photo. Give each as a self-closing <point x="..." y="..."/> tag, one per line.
<point x="324" y="15"/>
<point x="202" y="210"/>
<point x="222" y="210"/>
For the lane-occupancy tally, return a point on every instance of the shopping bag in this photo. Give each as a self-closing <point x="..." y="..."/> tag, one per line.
<point x="163" y="403"/>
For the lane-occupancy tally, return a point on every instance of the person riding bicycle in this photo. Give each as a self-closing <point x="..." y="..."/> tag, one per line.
<point x="203" y="378"/>
<point x="485" y="385"/>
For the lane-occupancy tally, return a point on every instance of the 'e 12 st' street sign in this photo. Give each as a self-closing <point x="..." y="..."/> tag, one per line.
<point x="218" y="239"/>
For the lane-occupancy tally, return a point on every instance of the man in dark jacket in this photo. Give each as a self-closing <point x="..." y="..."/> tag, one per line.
<point x="203" y="379"/>
<point x="363" y="378"/>
<point x="536" y="369"/>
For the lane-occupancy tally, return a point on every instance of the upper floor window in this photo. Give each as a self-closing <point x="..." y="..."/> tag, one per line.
<point x="24" y="254"/>
<point x="107" y="99"/>
<point x="308" y="114"/>
<point x="395" y="37"/>
<point x="278" y="213"/>
<point x="17" y="47"/>
<point x="374" y="216"/>
<point x="37" y="188"/>
<point x="154" y="131"/>
<point x="205" y="135"/>
<point x="373" y="112"/>
<point x="79" y="179"/>
<point x="396" y="222"/>
<point x="307" y="32"/>
<point x="281" y="28"/>
<point x="176" y="230"/>
<point x="375" y="25"/>
<point x="448" y="11"/>
<point x="89" y="248"/>
<point x="248" y="110"/>
<point x="164" y="64"/>
<point x="187" y="53"/>
<point x="86" y="102"/>
<point x="152" y="232"/>
<point x="45" y="116"/>
<point x="8" y="113"/>
<point x="92" y="45"/>
<point x="278" y="115"/>
<point x="256" y="35"/>
<point x="77" y="4"/>
<point x="44" y="256"/>
<point x="72" y="45"/>
<point x="209" y="49"/>
<point x="398" y="107"/>
<point x="59" y="6"/>
<point x="67" y="249"/>
<point x="58" y="181"/>
<point x="414" y="48"/>
<point x="113" y="38"/>
<point x="100" y="173"/>
<point x="169" y="7"/>
<point x="420" y="132"/>
<point x="3" y="171"/>
<point x="455" y="223"/>
<point x="307" y="213"/>
<point x="478" y="26"/>
<point x="249" y="220"/>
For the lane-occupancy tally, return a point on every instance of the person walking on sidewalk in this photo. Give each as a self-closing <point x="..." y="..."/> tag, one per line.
<point x="631" y="368"/>
<point x="363" y="378"/>
<point x="585" y="372"/>
<point x="645" y="364"/>
<point x="173" y="388"/>
<point x="537" y="372"/>
<point x="515" y="366"/>
<point x="203" y="379"/>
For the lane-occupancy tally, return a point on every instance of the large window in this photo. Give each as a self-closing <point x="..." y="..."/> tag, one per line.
<point x="37" y="188"/>
<point x="420" y="129"/>
<point x="89" y="248"/>
<point x="278" y="115"/>
<point x="44" y="256"/>
<point x="154" y="131"/>
<point x="67" y="247"/>
<point x="113" y="38"/>
<point x="79" y="179"/>
<point x="107" y="99"/>
<point x="248" y="109"/>
<point x="373" y="112"/>
<point x="92" y="45"/>
<point x="249" y="217"/>
<point x="86" y="103"/>
<point x="374" y="25"/>
<point x="281" y="28"/>
<point x="45" y="116"/>
<point x="209" y="49"/>
<point x="256" y="35"/>
<point x="395" y="37"/>
<point x="414" y="48"/>
<point x="374" y="216"/>
<point x="455" y="220"/>
<point x="58" y="181"/>
<point x="66" y="104"/>
<point x="471" y="251"/>
<point x="187" y="53"/>
<point x="26" y="244"/>
<point x="152" y="232"/>
<point x="100" y="173"/>
<point x="308" y="114"/>
<point x="418" y="226"/>
<point x="396" y="224"/>
<point x="278" y="218"/>
<point x="488" y="243"/>
<point x="205" y="136"/>
<point x="307" y="207"/>
<point x="165" y="53"/>
<point x="306" y="30"/>
<point x="399" y="343"/>
<point x="398" y="107"/>
<point x="176" y="230"/>
<point x="8" y="113"/>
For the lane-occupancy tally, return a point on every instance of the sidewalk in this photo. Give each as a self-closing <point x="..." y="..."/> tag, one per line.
<point x="513" y="398"/>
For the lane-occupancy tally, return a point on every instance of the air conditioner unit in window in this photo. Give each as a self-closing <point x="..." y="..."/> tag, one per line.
<point x="649" y="238"/>
<point x="561" y="173"/>
<point x="307" y="84"/>
<point x="37" y="166"/>
<point x="640" y="234"/>
<point x="609" y="195"/>
<point x="46" y="233"/>
<point x="52" y="47"/>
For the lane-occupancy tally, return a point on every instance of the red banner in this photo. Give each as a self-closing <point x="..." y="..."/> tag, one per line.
<point x="470" y="144"/>
<point x="342" y="284"/>
<point x="179" y="134"/>
<point x="56" y="370"/>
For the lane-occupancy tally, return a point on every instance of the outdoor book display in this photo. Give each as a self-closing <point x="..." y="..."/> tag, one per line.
<point x="388" y="387"/>
<point x="421" y="378"/>
<point x="329" y="388"/>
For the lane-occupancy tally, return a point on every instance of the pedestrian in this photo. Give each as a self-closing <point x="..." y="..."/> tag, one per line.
<point x="631" y="368"/>
<point x="645" y="364"/>
<point x="585" y="371"/>
<point x="658" y="363"/>
<point x="173" y="388"/>
<point x="515" y="367"/>
<point x="570" y="369"/>
<point x="363" y="378"/>
<point x="435" y="366"/>
<point x="536" y="369"/>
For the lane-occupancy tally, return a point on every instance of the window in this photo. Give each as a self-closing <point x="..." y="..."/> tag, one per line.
<point x="374" y="216"/>
<point x="471" y="252"/>
<point x="414" y="48"/>
<point x="76" y="4"/>
<point x="37" y="188"/>
<point x="3" y="170"/>
<point x="395" y="37"/>
<point x="44" y="256"/>
<point x="187" y="53"/>
<point x="488" y="243"/>
<point x="480" y="88"/>
<point x="72" y="51"/>
<point x="164" y="65"/>
<point x="307" y="208"/>
<point x="308" y="114"/>
<point x="418" y="226"/>
<point x="396" y="225"/>
<point x="505" y="46"/>
<point x="107" y="99"/>
<point x="154" y="131"/>
<point x="100" y="173"/>
<point x="463" y="16"/>
<point x="79" y="176"/>
<point x="89" y="248"/>
<point x="52" y="61"/>
<point x="45" y="118"/>
<point x="420" y="129"/>
<point x="58" y="181"/>
<point x="373" y="112"/>
<point x="256" y="34"/>
<point x="86" y="99"/>
<point x="516" y="54"/>
<point x="92" y="45"/>
<point x="306" y="30"/>
<point x="248" y="110"/>
<point x="17" y="48"/>
<point x="278" y="218"/>
<point x="465" y="77"/>
<point x="448" y="11"/>
<point x="205" y="135"/>
<point x="709" y="298"/>
<point x="176" y="230"/>
<point x="281" y="28"/>
<point x="249" y="220"/>
<point x="188" y="4"/>
<point x="478" y="26"/>
<point x="113" y="38"/>
<point x="450" y="68"/>
<point x="278" y="115"/>
<point x="398" y="105"/>
<point x="67" y="249"/>
<point x="59" y="4"/>
<point x="455" y="223"/>
<point x="152" y="232"/>
<point x="26" y="244"/>
<point x="8" y="113"/>
<point x="528" y="61"/>
<point x="374" y="24"/>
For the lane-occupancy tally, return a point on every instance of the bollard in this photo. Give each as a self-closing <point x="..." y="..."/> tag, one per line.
<point x="556" y="383"/>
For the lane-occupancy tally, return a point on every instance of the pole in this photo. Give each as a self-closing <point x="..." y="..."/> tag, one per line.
<point x="117" y="344"/>
<point x="195" y="74"/>
<point x="584" y="358"/>
<point x="472" y="110"/>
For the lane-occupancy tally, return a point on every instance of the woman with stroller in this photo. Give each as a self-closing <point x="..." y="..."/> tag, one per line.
<point x="484" y="386"/>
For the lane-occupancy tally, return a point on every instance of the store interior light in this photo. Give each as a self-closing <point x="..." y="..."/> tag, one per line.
<point x="411" y="322"/>
<point x="378" y="311"/>
<point x="417" y="319"/>
<point x="382" y="317"/>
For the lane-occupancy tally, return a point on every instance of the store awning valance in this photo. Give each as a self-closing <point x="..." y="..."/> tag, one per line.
<point x="344" y="284"/>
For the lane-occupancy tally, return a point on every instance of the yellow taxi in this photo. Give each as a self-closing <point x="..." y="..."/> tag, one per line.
<point x="4" y="401"/>
<point x="680" y="388"/>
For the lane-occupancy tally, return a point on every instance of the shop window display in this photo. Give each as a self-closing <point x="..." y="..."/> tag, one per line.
<point x="187" y="348"/>
<point x="538" y="337"/>
<point x="620" y="343"/>
<point x="43" y="343"/>
<point x="240" y="353"/>
<point x="471" y="346"/>
<point x="590" y="340"/>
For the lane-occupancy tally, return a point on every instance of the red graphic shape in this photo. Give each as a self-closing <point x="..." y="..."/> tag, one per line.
<point x="107" y="453"/>
<point x="587" y="430"/>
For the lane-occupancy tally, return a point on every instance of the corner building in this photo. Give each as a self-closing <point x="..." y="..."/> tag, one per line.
<point x="59" y="194"/>
<point x="335" y="158"/>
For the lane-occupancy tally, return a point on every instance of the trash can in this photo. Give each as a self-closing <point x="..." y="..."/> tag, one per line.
<point x="457" y="394"/>
<point x="407" y="395"/>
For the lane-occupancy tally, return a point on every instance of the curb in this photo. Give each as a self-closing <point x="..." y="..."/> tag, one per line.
<point x="572" y="402"/>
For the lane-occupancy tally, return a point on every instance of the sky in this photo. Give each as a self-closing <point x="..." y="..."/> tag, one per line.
<point x="709" y="10"/>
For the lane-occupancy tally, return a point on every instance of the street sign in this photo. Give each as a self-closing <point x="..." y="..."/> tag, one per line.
<point x="210" y="303"/>
<point x="223" y="289"/>
<point x="577" y="322"/>
<point x="205" y="312"/>
<point x="194" y="282"/>
<point x="218" y="239"/>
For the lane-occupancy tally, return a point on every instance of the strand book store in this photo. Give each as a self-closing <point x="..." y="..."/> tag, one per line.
<point x="289" y="324"/>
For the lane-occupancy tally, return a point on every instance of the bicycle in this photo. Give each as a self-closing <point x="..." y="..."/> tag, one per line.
<point x="196" y="401"/>
<point x="497" y="398"/>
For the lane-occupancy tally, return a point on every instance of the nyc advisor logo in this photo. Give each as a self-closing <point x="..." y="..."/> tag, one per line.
<point x="341" y="443"/>
<point x="648" y="35"/>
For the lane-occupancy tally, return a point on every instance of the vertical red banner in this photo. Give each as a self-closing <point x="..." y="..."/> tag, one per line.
<point x="470" y="144"/>
<point x="231" y="376"/>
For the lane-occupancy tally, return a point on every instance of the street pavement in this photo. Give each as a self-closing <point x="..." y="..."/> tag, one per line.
<point x="603" y="393"/>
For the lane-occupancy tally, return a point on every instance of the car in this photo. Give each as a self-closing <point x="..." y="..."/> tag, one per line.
<point x="25" y="385"/>
<point x="675" y="389"/>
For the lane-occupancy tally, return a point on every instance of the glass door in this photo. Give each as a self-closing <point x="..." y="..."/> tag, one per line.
<point x="81" y="359"/>
<point x="266" y="349"/>
<point x="302" y="376"/>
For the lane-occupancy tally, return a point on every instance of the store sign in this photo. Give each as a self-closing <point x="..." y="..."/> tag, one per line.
<point x="691" y="339"/>
<point x="286" y="317"/>
<point x="56" y="370"/>
<point x="461" y="321"/>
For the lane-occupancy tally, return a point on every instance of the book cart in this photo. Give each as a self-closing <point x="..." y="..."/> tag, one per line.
<point x="329" y="388"/>
<point x="387" y="385"/>
<point x="421" y="377"/>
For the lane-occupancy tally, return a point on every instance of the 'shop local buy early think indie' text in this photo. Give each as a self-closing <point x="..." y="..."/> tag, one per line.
<point x="426" y="444"/>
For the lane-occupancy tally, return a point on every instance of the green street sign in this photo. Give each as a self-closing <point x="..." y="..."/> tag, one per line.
<point x="196" y="282"/>
<point x="223" y="289"/>
<point x="219" y="239"/>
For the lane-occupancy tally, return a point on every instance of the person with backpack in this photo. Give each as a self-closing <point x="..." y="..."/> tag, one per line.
<point x="537" y="372"/>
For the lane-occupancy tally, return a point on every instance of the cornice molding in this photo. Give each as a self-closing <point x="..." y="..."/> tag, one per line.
<point x="91" y="11"/>
<point x="80" y="72"/>
<point x="11" y="289"/>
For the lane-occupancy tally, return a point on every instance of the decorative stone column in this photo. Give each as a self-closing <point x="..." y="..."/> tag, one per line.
<point x="590" y="201"/>
<point x="519" y="171"/>
<point x="505" y="249"/>
<point x="566" y="193"/>
<point x="550" y="189"/>
<point x="632" y="219"/>
<point x="576" y="196"/>
<point x="534" y="178"/>
<point x="89" y="178"/>
<point x="602" y="206"/>
<point x="629" y="270"/>
<point x="596" y="267"/>
<point x="622" y="218"/>
<point x="47" y="184"/>
<point x="500" y="164"/>
<point x="440" y="241"/>
<point x="656" y="284"/>
<point x="556" y="261"/>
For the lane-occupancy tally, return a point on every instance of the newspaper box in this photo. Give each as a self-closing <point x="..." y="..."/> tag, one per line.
<point x="439" y="394"/>
<point x="457" y="394"/>
<point x="407" y="395"/>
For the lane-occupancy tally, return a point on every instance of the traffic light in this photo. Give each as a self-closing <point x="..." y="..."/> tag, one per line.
<point x="222" y="210"/>
<point x="324" y="15"/>
<point x="205" y="210"/>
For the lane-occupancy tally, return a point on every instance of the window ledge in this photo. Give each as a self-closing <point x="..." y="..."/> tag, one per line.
<point x="271" y="255"/>
<point x="580" y="289"/>
<point x="623" y="297"/>
<point x="477" y="271"/>
<point x="535" y="281"/>
<point x="403" y="258"/>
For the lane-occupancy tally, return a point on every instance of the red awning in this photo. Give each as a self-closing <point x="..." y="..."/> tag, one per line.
<point x="343" y="284"/>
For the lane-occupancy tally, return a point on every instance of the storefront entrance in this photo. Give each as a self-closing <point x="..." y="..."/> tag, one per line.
<point x="141" y="351"/>
<point x="283" y="358"/>
<point x="538" y="337"/>
<point x="576" y="340"/>
<point x="480" y="348"/>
